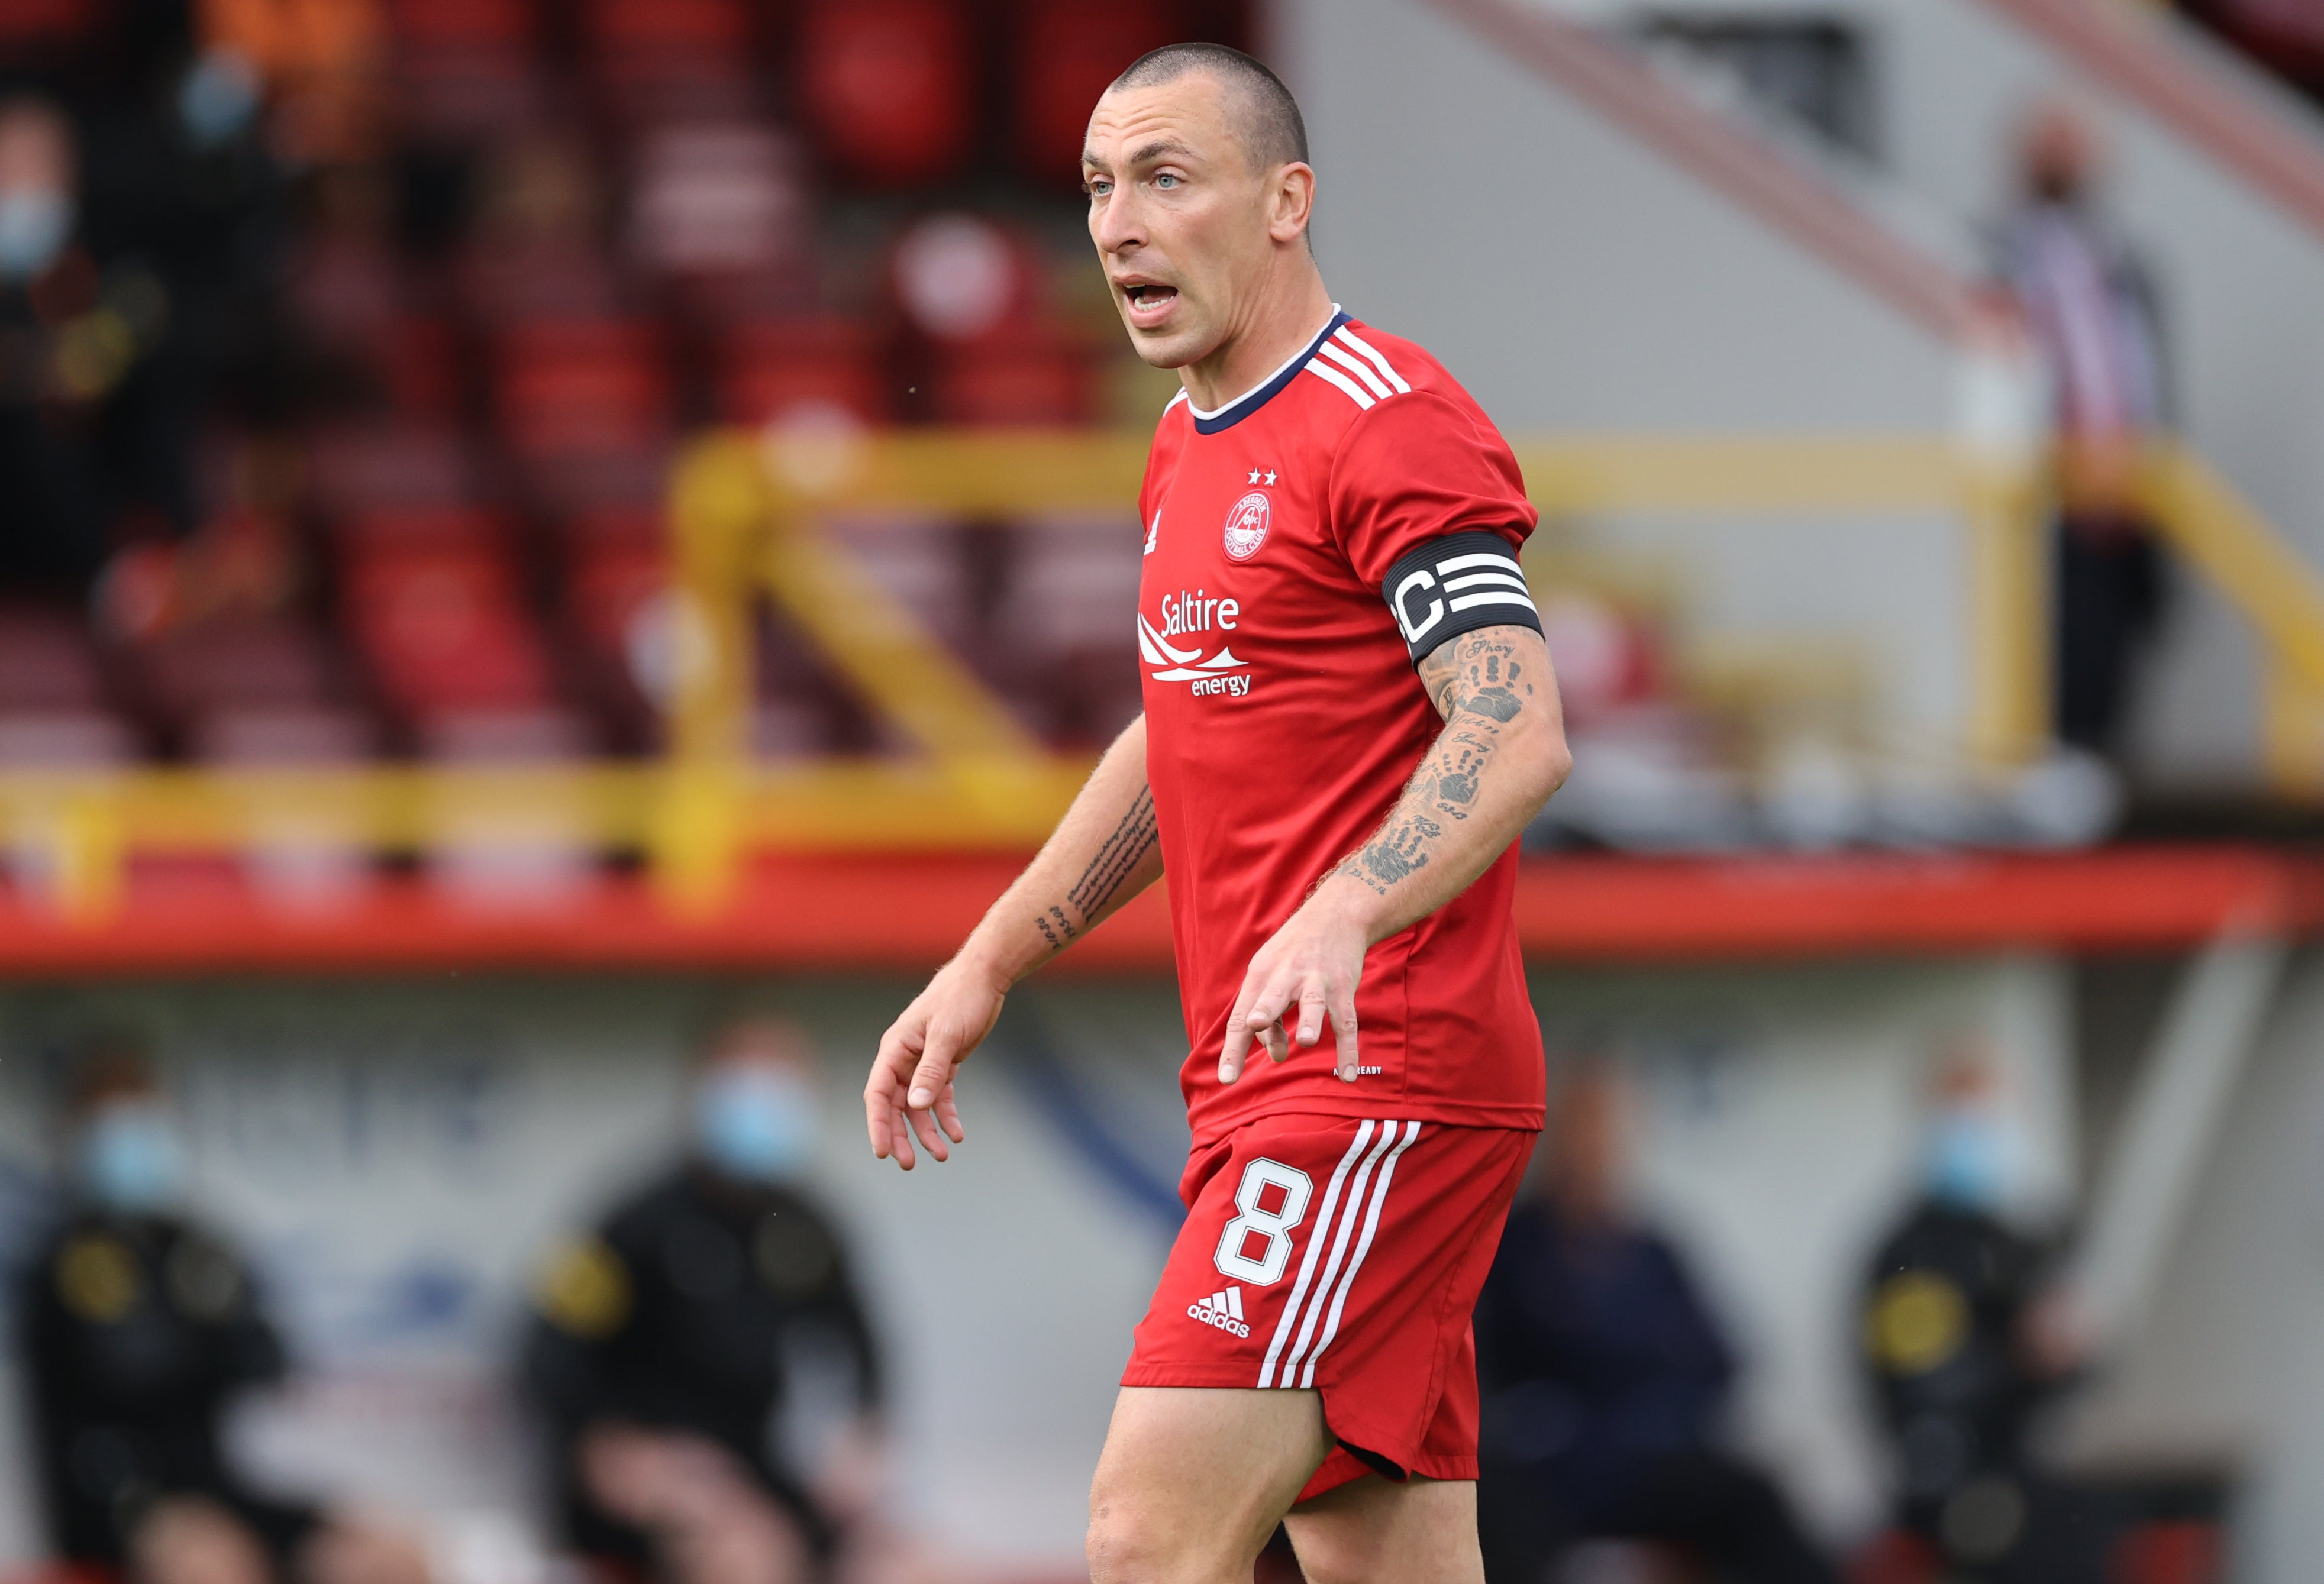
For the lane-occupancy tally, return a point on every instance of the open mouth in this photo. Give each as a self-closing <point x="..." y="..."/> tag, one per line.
<point x="1149" y="301"/>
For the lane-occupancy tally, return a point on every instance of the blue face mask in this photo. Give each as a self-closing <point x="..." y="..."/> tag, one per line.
<point x="35" y="224"/>
<point x="755" y="1124"/>
<point x="130" y="1159"/>
<point x="1969" y="1166"/>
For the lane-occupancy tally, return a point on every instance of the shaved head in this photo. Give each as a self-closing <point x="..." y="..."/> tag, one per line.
<point x="1266" y="117"/>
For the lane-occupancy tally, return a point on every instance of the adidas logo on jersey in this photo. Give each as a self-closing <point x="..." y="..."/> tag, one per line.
<point x="1222" y="1310"/>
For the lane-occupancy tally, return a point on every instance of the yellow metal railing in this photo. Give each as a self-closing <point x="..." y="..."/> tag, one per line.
<point x="747" y="514"/>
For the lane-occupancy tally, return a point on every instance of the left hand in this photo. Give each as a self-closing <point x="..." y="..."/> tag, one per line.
<point x="1312" y="963"/>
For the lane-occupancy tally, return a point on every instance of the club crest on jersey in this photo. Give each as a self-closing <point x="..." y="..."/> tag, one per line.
<point x="1247" y="525"/>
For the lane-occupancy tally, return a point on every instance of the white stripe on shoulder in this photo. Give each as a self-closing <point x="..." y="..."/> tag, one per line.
<point x="1322" y="370"/>
<point x="1372" y="352"/>
<point x="1173" y="400"/>
<point x="1357" y="367"/>
<point x="1363" y="1246"/>
<point x="1315" y="1239"/>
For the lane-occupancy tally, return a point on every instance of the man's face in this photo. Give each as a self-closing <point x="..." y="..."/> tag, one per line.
<point x="1183" y="225"/>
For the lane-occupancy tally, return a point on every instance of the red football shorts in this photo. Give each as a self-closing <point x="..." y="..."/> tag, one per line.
<point x="1345" y="1255"/>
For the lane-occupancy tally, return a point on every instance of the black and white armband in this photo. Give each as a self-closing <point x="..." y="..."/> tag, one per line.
<point x="1456" y="585"/>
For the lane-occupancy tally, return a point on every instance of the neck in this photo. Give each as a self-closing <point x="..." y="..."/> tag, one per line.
<point x="1283" y="319"/>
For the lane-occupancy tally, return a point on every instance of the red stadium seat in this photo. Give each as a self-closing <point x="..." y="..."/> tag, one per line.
<point x="444" y="631"/>
<point x="720" y="211"/>
<point x="53" y="705"/>
<point x="377" y="467"/>
<point x="610" y="584"/>
<point x="672" y="59"/>
<point x="773" y="371"/>
<point x="396" y="530"/>
<point x="565" y="388"/>
<point x="517" y="281"/>
<point x="889" y="86"/>
<point x="1030" y="378"/>
<point x="1067" y="51"/>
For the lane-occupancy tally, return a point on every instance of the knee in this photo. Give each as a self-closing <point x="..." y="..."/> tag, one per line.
<point x="1127" y="1545"/>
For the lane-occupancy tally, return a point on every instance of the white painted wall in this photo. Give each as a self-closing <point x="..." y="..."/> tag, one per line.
<point x="2230" y="1366"/>
<point x="1575" y="280"/>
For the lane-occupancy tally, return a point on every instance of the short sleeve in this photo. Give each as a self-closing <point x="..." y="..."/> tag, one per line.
<point x="1416" y="468"/>
<point x="1420" y="482"/>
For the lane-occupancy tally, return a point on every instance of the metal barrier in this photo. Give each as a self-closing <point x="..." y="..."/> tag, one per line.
<point x="745" y="516"/>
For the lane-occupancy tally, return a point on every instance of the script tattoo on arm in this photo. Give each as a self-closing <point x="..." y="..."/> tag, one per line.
<point x="1480" y="685"/>
<point x="1116" y="860"/>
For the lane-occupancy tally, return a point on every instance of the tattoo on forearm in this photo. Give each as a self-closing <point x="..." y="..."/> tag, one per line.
<point x="1116" y="860"/>
<point x="1132" y="840"/>
<point x="1479" y="685"/>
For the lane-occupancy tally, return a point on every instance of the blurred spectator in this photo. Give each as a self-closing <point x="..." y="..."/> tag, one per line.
<point x="140" y="1327"/>
<point x="82" y="436"/>
<point x="2089" y="306"/>
<point x="1964" y="1339"/>
<point x="1604" y="1376"/>
<point x="704" y="1363"/>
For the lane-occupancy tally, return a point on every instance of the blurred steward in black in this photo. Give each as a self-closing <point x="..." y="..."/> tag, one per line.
<point x="139" y="1328"/>
<point x="1965" y="1336"/>
<point x="708" y="1376"/>
<point x="139" y="220"/>
<point x="2089" y="304"/>
<point x="1604" y="1377"/>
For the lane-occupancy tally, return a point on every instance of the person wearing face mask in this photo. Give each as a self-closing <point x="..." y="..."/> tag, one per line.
<point x="138" y="1328"/>
<point x="1964" y="1337"/>
<point x="702" y="1362"/>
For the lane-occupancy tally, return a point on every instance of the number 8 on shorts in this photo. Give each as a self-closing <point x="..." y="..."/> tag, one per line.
<point x="1233" y="1257"/>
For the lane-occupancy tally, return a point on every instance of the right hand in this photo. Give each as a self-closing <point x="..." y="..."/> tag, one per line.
<point x="910" y="1088"/>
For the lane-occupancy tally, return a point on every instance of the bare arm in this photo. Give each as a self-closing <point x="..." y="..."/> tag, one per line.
<point x="1501" y="755"/>
<point x="1104" y="852"/>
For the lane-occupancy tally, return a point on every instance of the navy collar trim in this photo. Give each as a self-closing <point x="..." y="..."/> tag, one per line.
<point x="1250" y="401"/>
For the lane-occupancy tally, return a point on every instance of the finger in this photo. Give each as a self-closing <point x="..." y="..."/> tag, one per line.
<point x="929" y="1080"/>
<point x="879" y="1089"/>
<point x="1231" y="1054"/>
<point x="948" y="1116"/>
<point x="1310" y="1015"/>
<point x="900" y="1132"/>
<point x="1276" y="1041"/>
<point x="924" y="1129"/>
<point x="1343" y="1029"/>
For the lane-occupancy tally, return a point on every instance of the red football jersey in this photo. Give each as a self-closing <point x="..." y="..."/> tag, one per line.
<point x="1283" y="715"/>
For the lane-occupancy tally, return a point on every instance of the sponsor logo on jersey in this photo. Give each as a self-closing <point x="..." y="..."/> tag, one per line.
<point x="1222" y="1310"/>
<point x="1246" y="528"/>
<point x="1187" y="613"/>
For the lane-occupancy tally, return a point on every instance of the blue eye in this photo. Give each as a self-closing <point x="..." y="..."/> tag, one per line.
<point x="1166" y="181"/>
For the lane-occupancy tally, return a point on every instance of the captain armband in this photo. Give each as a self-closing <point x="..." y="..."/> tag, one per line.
<point x="1456" y="585"/>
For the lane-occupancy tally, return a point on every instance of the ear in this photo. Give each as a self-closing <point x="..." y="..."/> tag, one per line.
<point x="1291" y="200"/>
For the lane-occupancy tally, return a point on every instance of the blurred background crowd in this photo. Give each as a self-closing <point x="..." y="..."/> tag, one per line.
<point x="1923" y="398"/>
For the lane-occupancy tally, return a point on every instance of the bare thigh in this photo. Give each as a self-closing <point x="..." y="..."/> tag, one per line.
<point x="1372" y="1531"/>
<point x="1193" y="1480"/>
